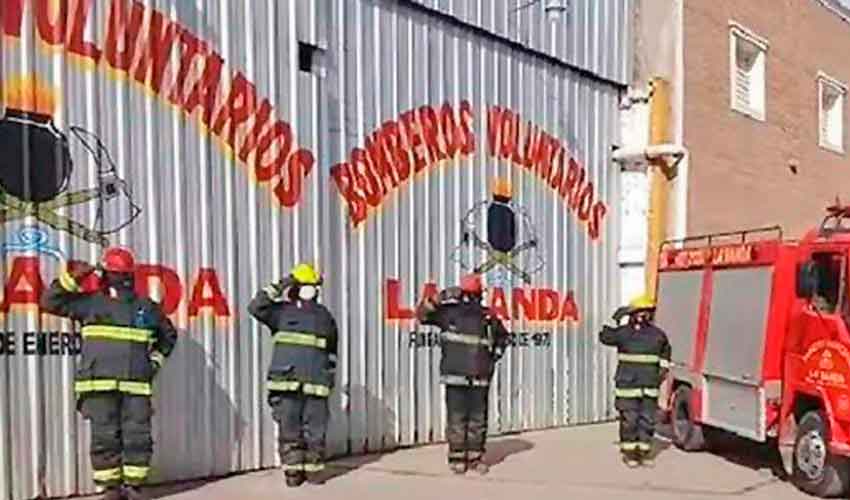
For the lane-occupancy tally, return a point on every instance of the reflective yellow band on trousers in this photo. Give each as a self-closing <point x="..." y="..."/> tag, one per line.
<point x="117" y="333"/>
<point x="107" y="475"/>
<point x="294" y="385"/>
<point x="136" y="472"/>
<point x="305" y="339"/>
<point x="635" y="446"/>
<point x="304" y="467"/>
<point x="639" y="358"/>
<point x="461" y="380"/>
<point x="157" y="357"/>
<point x="639" y="392"/>
<point x="134" y="388"/>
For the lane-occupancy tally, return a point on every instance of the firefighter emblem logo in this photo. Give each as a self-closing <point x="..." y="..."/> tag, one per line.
<point x="498" y="239"/>
<point x="37" y="165"/>
<point x="826" y="362"/>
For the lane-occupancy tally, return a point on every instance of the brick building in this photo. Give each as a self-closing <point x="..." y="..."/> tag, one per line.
<point x="764" y="112"/>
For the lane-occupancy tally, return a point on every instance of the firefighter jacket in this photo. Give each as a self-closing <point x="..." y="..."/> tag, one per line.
<point x="642" y="353"/>
<point x="126" y="338"/>
<point x="305" y="342"/>
<point x="471" y="339"/>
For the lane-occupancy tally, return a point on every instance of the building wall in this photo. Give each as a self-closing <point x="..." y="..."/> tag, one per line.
<point x="740" y="173"/>
<point x="383" y="223"/>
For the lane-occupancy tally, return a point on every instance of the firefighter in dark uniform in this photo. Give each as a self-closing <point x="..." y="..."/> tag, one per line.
<point x="471" y="340"/>
<point x="302" y="370"/>
<point x="126" y="339"/>
<point x="643" y="354"/>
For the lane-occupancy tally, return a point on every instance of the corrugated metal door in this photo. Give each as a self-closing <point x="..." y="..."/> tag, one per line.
<point x="182" y="112"/>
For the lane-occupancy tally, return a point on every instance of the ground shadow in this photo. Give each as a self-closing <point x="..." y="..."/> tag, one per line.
<point x="377" y="410"/>
<point x="746" y="453"/>
<point x="500" y="449"/>
<point x="190" y="399"/>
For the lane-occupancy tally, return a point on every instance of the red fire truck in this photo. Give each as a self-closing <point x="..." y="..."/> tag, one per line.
<point x="760" y="329"/>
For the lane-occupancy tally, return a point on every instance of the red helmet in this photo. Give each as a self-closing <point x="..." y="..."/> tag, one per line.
<point x="471" y="284"/>
<point x="118" y="260"/>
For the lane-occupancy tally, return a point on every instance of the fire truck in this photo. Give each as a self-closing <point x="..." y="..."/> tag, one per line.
<point x="760" y="331"/>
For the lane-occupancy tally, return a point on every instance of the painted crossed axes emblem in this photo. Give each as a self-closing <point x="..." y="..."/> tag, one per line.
<point x="497" y="258"/>
<point x="12" y="208"/>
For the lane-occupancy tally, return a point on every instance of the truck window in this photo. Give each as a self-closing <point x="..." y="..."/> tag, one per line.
<point x="829" y="269"/>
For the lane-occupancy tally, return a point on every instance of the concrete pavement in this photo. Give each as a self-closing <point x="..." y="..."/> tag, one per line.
<point x="580" y="463"/>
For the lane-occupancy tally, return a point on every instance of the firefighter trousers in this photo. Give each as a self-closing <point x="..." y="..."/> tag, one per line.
<point x="466" y="426"/>
<point x="302" y="425"/>
<point x="121" y="442"/>
<point x="637" y="423"/>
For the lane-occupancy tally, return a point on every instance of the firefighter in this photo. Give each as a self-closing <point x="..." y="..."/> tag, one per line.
<point x="643" y="353"/>
<point x="472" y="340"/>
<point x="126" y="339"/>
<point x="302" y="371"/>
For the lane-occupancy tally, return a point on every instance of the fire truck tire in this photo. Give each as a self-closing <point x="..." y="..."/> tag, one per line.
<point x="687" y="434"/>
<point x="816" y="470"/>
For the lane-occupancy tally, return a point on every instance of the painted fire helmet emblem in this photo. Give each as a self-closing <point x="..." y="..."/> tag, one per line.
<point x="36" y="167"/>
<point x="499" y="239"/>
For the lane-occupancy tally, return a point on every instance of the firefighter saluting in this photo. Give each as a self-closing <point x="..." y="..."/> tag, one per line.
<point x="126" y="339"/>
<point x="471" y="341"/>
<point x="643" y="353"/>
<point x="302" y="370"/>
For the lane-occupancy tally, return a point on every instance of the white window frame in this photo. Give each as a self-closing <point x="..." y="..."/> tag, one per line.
<point x="738" y="32"/>
<point x="827" y="82"/>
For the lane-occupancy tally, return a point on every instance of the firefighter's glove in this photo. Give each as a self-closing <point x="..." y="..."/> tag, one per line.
<point x="332" y="363"/>
<point x="621" y="313"/>
<point x="451" y="295"/>
<point x="157" y="359"/>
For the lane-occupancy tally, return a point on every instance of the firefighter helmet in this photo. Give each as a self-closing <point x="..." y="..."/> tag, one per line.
<point x="305" y="274"/>
<point x="642" y="303"/>
<point x="502" y="188"/>
<point x="471" y="284"/>
<point x="118" y="260"/>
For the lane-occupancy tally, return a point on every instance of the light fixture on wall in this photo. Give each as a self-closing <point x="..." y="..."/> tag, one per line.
<point x="556" y="10"/>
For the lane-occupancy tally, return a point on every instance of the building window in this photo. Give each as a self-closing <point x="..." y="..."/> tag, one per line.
<point x="747" y="56"/>
<point x="831" y="113"/>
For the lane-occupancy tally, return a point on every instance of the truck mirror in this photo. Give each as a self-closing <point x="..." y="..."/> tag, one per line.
<point x="806" y="280"/>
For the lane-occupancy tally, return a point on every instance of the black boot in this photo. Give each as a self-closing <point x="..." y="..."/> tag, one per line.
<point x="113" y="493"/>
<point x="134" y="493"/>
<point x="295" y="479"/>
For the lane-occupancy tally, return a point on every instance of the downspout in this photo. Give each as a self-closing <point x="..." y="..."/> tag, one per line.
<point x="658" y="170"/>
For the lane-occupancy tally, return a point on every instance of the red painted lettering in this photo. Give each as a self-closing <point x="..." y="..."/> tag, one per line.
<point x="494" y="125"/>
<point x="342" y="176"/>
<point x="507" y="134"/>
<point x="585" y="202"/>
<point x="595" y="226"/>
<point x="76" y="42"/>
<point x="547" y="304"/>
<point x="299" y="167"/>
<point x="414" y="139"/>
<point x="451" y="131"/>
<point x="281" y="135"/>
<point x="430" y="131"/>
<point x="381" y="162"/>
<point x="466" y="118"/>
<point x="569" y="310"/>
<point x="558" y="166"/>
<point x="156" y="52"/>
<point x="51" y="19"/>
<point x="365" y="177"/>
<point x="261" y="117"/>
<point x="204" y="93"/>
<point x="395" y="310"/>
<point x="12" y="15"/>
<point x="528" y="305"/>
<point x="169" y="282"/>
<point x="237" y="109"/>
<point x="515" y="154"/>
<point x="192" y="49"/>
<point x="207" y="294"/>
<point x="391" y="137"/>
<point x="121" y="35"/>
<point x="24" y="285"/>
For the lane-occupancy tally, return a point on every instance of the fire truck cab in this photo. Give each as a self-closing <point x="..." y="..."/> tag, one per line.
<point x="760" y="331"/>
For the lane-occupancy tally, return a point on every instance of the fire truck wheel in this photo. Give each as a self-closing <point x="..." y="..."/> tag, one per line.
<point x="816" y="470"/>
<point x="687" y="434"/>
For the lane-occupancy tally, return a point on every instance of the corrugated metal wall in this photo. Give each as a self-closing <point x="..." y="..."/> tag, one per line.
<point x="204" y="209"/>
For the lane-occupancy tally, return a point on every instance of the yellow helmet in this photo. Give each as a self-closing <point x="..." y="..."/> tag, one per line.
<point x="642" y="303"/>
<point x="305" y="274"/>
